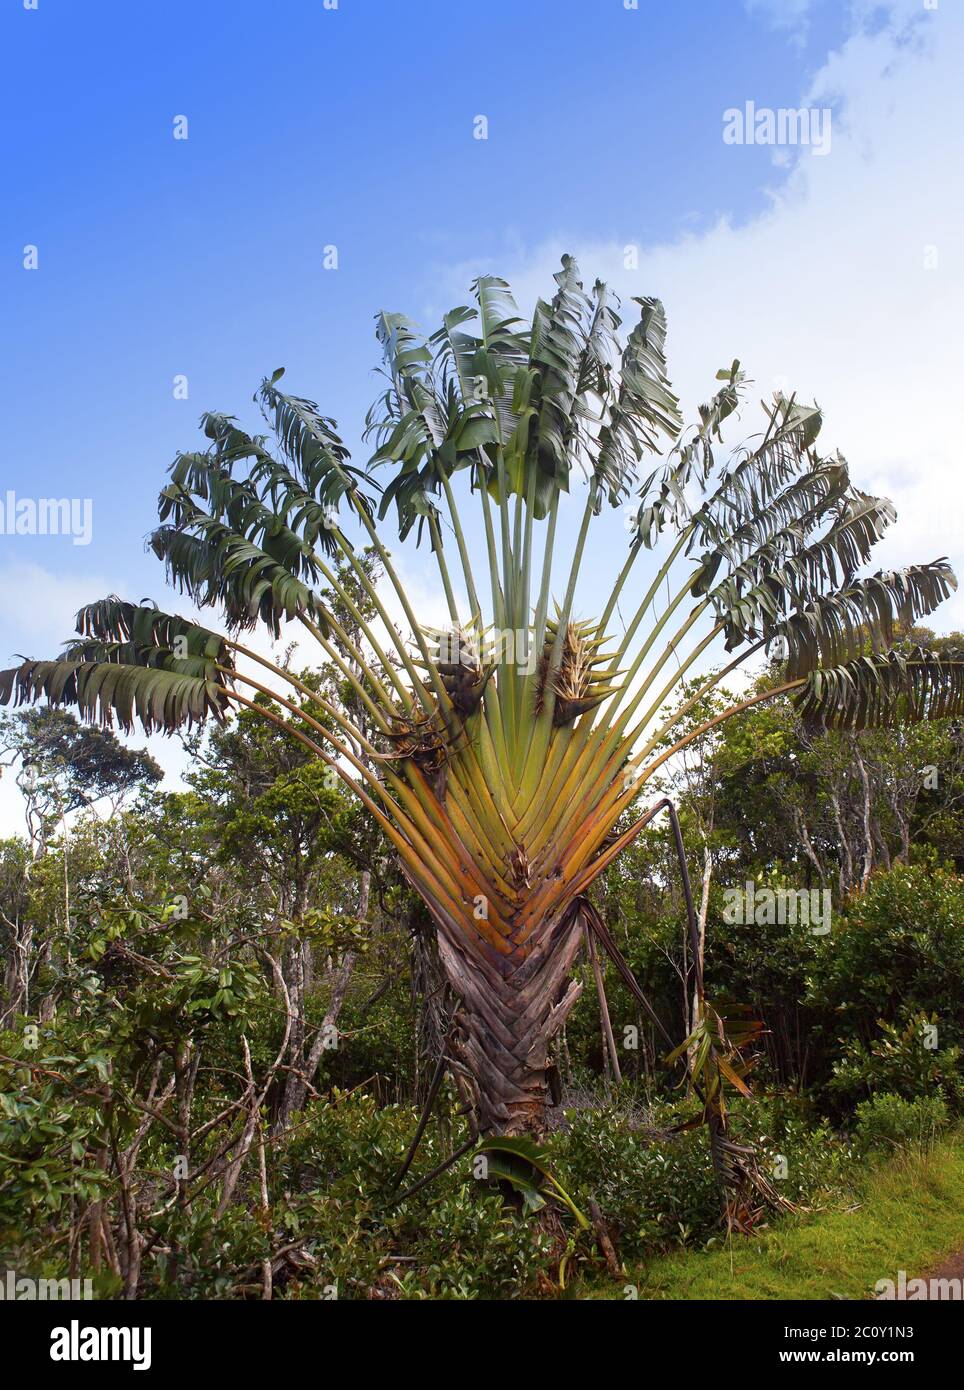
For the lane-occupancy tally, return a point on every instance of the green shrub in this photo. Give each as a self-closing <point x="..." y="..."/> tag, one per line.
<point x="891" y="1122"/>
<point x="656" y="1194"/>
<point x="896" y="950"/>
<point x="899" y="1060"/>
<point x="456" y="1239"/>
<point x="466" y="1243"/>
<point x="801" y="1154"/>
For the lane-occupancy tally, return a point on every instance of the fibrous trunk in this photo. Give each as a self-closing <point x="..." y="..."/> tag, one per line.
<point x="511" y="1008"/>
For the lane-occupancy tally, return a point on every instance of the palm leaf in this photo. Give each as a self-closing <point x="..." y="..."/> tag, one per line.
<point x="835" y="628"/>
<point x="216" y="566"/>
<point x="310" y="440"/>
<point x="645" y="406"/>
<point x="104" y="692"/>
<point x="880" y="690"/>
<point x="663" y="493"/>
<point x="560" y="332"/>
<point x="131" y="663"/>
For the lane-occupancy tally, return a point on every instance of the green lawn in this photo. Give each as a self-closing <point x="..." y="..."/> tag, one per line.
<point x="909" y="1215"/>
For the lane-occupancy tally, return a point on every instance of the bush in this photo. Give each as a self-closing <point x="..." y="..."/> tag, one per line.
<point x="656" y="1193"/>
<point x="891" y="1122"/>
<point x="898" y="949"/>
<point x="799" y="1152"/>
<point x="891" y="968"/>
<point x="456" y="1239"/>
<point x="899" y="1061"/>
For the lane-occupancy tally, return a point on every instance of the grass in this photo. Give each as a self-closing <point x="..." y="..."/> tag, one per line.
<point x="907" y="1214"/>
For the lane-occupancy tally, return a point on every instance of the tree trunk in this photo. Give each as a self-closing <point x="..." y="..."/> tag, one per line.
<point x="296" y="1087"/>
<point x="847" y="860"/>
<point x="610" y="1059"/>
<point x="16" y="979"/>
<point x="867" y="821"/>
<point x="512" y="1007"/>
<point x="807" y="844"/>
<point x="696" y="1003"/>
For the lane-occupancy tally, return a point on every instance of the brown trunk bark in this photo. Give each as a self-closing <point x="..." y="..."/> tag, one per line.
<point x="512" y="1006"/>
<point x="16" y="979"/>
<point x="610" y="1057"/>
<point x="696" y="1003"/>
<point x="299" y="1081"/>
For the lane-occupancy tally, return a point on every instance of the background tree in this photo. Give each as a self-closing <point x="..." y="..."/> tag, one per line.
<point x="61" y="766"/>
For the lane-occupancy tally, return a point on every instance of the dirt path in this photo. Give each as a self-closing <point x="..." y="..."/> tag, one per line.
<point x="951" y="1268"/>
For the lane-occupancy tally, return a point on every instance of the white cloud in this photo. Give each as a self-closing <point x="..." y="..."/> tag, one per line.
<point x="828" y="292"/>
<point x="40" y="615"/>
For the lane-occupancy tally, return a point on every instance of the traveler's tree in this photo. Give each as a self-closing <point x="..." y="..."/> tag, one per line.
<point x="499" y="758"/>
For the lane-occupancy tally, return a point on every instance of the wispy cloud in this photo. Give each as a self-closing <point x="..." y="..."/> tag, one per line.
<point x="790" y="15"/>
<point x="39" y="613"/>
<point x="849" y="288"/>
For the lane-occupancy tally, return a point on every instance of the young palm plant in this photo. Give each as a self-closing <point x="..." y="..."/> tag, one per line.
<point x="503" y="756"/>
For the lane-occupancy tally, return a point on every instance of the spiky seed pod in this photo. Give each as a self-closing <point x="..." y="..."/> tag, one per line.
<point x="456" y="654"/>
<point x="576" y="687"/>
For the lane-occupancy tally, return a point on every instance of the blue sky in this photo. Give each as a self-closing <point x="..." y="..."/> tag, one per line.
<point x="310" y="127"/>
<point x="354" y="127"/>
